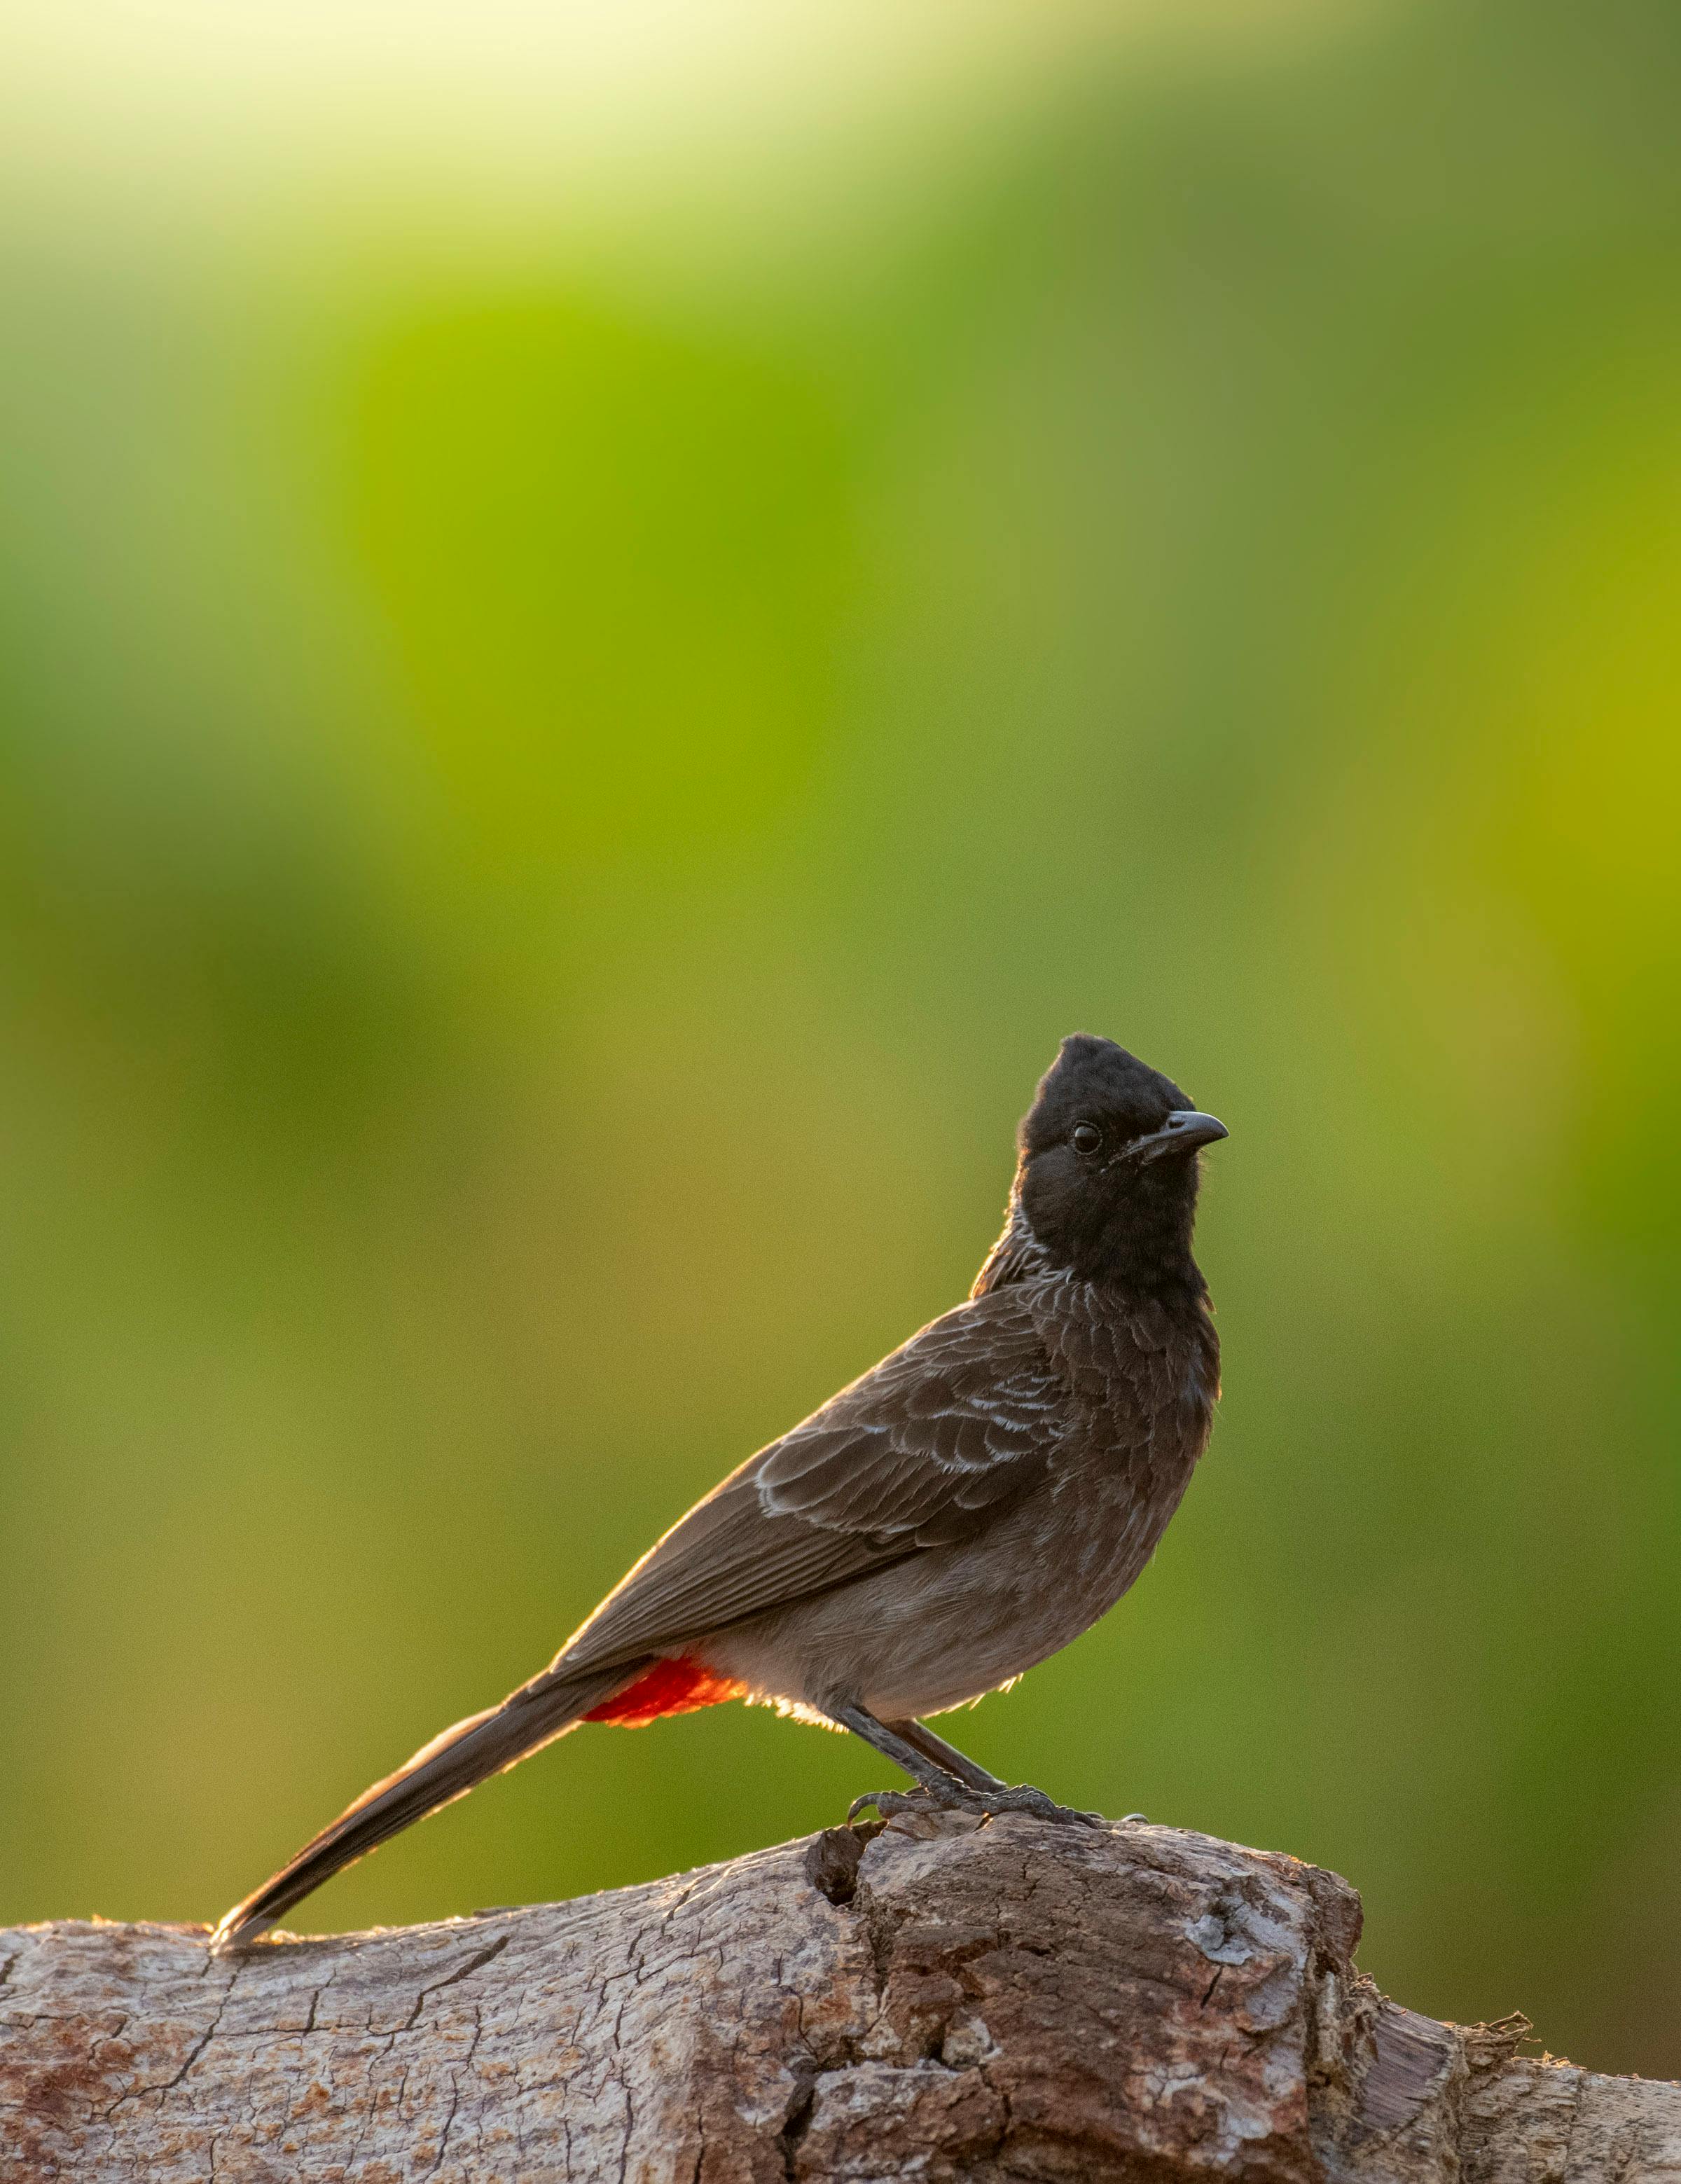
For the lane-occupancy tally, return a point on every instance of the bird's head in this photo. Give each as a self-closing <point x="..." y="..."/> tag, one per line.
<point x="1108" y="1175"/>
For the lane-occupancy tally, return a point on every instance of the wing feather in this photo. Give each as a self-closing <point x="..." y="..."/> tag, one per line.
<point x="965" y="1415"/>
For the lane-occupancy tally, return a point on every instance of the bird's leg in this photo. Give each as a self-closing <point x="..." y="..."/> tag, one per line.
<point x="996" y="1796"/>
<point x="943" y="1782"/>
<point x="943" y="1787"/>
<point x="919" y="1735"/>
<point x="920" y="1738"/>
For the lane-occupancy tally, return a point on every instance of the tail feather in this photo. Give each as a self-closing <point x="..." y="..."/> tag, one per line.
<point x="483" y="1745"/>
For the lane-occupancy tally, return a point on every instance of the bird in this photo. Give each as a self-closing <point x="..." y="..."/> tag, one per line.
<point x="946" y="1522"/>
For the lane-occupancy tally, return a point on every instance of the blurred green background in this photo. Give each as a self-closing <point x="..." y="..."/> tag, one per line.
<point x="614" y="617"/>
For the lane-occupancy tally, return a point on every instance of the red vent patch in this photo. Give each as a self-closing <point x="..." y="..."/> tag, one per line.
<point x="668" y="1687"/>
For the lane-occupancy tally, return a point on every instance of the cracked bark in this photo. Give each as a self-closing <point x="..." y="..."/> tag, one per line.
<point x="959" y="2004"/>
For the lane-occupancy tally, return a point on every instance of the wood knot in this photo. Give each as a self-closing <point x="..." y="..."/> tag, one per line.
<point x="831" y="1860"/>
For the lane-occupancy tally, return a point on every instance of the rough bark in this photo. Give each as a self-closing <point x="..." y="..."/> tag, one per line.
<point x="963" y="2002"/>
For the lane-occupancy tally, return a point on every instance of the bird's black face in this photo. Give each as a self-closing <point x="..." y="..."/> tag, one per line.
<point x="1108" y="1179"/>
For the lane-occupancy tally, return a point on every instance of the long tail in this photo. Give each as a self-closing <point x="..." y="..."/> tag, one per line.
<point x="483" y="1745"/>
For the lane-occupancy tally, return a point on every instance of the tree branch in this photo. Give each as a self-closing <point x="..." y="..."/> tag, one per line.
<point x="980" y="2003"/>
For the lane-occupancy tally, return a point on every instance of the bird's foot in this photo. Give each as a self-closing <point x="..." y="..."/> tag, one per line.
<point x="1026" y="1799"/>
<point x="983" y="1803"/>
<point x="888" y="1804"/>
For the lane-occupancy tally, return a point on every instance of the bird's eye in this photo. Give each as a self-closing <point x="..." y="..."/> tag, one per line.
<point x="1086" y="1137"/>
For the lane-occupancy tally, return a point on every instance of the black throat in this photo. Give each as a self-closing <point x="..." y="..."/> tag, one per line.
<point x="1143" y="1247"/>
<point x="1141" y="1250"/>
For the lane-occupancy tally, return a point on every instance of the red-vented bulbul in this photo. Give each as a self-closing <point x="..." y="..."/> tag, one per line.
<point x="963" y="1511"/>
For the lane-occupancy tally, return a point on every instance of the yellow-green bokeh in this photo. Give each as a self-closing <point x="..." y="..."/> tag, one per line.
<point x="584" y="699"/>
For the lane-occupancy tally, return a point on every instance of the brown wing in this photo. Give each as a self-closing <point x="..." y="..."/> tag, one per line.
<point x="961" y="1419"/>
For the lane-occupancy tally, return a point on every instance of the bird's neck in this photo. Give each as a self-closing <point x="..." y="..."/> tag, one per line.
<point x="1145" y="1255"/>
<point x="1018" y="1256"/>
<point x="1148" y="1252"/>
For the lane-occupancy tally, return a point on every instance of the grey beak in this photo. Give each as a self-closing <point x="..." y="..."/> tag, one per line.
<point x="1183" y="1131"/>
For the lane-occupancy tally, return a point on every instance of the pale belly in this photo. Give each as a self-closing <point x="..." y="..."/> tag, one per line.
<point x="951" y="1623"/>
